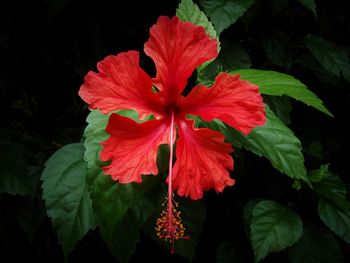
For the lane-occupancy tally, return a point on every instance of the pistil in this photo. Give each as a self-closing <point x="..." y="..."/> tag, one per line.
<point x="169" y="226"/>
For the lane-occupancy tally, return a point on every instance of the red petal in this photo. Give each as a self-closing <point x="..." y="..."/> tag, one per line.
<point x="232" y="100"/>
<point x="120" y="84"/>
<point x="177" y="48"/>
<point x="202" y="161"/>
<point x="132" y="147"/>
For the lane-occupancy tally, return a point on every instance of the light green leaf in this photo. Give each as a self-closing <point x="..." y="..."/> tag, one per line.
<point x="309" y="4"/>
<point x="316" y="246"/>
<point x="273" y="228"/>
<point x="66" y="196"/>
<point x="189" y="11"/>
<point x="274" y="141"/>
<point x="333" y="208"/>
<point x="278" y="84"/>
<point x="223" y="13"/>
<point x="331" y="57"/>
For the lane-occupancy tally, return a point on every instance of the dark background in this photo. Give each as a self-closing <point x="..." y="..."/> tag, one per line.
<point x="46" y="48"/>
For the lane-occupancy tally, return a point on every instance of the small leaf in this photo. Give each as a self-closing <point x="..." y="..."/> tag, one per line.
<point x="223" y="13"/>
<point x="330" y="56"/>
<point x="189" y="11"/>
<point x="316" y="246"/>
<point x="309" y="4"/>
<point x="274" y="141"/>
<point x="273" y="228"/>
<point x="333" y="189"/>
<point x="14" y="176"/>
<point x="231" y="56"/>
<point x="66" y="195"/>
<point x="333" y="208"/>
<point x="318" y="175"/>
<point x="278" y="84"/>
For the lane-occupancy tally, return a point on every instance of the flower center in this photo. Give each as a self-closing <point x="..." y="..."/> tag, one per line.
<point x="169" y="226"/>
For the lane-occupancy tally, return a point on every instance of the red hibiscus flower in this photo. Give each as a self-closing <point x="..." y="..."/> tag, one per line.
<point x="202" y="157"/>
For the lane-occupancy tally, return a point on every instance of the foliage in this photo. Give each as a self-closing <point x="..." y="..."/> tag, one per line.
<point x="291" y="197"/>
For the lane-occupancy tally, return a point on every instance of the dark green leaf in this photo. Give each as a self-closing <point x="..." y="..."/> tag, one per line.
<point x="273" y="228"/>
<point x="309" y="4"/>
<point x="276" y="45"/>
<point x="278" y="84"/>
<point x="274" y="141"/>
<point x="112" y="201"/>
<point x="193" y="215"/>
<point x="223" y="13"/>
<point x="281" y="106"/>
<point x="338" y="220"/>
<point x="248" y="213"/>
<point x="66" y="195"/>
<point x="316" y="246"/>
<point x="124" y="237"/>
<point x="230" y="251"/>
<point x="14" y="176"/>
<point x="330" y="56"/>
<point x="333" y="208"/>
<point x="30" y="214"/>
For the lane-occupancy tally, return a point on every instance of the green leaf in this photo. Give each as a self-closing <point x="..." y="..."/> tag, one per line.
<point x="223" y="13"/>
<point x="333" y="208"/>
<point x="66" y="195"/>
<point x="14" y="176"/>
<point x="316" y="246"/>
<point x="330" y="56"/>
<point x="112" y="201"/>
<point x="274" y="141"/>
<point x="273" y="228"/>
<point x="278" y="84"/>
<point x="189" y="11"/>
<point x="309" y="4"/>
